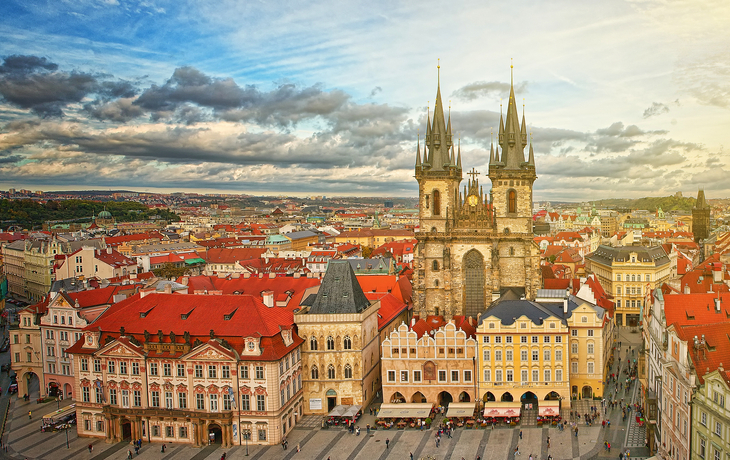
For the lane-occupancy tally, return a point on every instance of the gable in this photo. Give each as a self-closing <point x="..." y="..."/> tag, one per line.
<point x="118" y="349"/>
<point x="207" y="353"/>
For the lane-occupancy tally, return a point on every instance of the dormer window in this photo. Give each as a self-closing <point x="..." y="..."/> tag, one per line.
<point x="251" y="346"/>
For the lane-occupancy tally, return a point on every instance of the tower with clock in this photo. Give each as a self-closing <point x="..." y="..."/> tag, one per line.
<point x="474" y="247"/>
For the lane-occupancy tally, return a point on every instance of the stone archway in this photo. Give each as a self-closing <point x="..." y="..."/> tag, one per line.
<point x="418" y="397"/>
<point x="215" y="434"/>
<point x="587" y="392"/>
<point x="464" y="397"/>
<point x="444" y="398"/>
<point x="397" y="398"/>
<point x="507" y="397"/>
<point x="31" y="386"/>
<point x="488" y="396"/>
<point x="126" y="429"/>
<point x="552" y="396"/>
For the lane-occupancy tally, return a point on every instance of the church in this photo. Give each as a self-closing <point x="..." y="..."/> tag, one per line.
<point x="474" y="247"/>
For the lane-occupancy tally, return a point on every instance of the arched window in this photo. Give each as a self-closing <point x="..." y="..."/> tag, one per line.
<point x="436" y="203"/>
<point x="315" y="373"/>
<point x="347" y="343"/>
<point x="435" y="265"/>
<point x="511" y="251"/>
<point x="512" y="202"/>
<point x="348" y="371"/>
<point x="331" y="372"/>
<point x="313" y="343"/>
<point x="330" y="343"/>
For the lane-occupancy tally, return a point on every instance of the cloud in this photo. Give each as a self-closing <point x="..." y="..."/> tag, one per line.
<point x="35" y="83"/>
<point x="375" y="91"/>
<point x="656" y="108"/>
<point x="493" y="89"/>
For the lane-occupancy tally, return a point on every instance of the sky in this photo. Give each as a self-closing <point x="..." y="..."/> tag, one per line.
<point x="624" y="99"/>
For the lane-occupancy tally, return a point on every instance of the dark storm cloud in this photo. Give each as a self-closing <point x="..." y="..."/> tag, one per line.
<point x="34" y="83"/>
<point x="656" y="108"/>
<point x="486" y="89"/>
<point x="618" y="138"/>
<point x="120" y="110"/>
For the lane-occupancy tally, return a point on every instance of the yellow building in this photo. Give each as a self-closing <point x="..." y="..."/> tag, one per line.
<point x="341" y="354"/>
<point x="628" y="273"/>
<point x="591" y="339"/>
<point x="523" y="354"/>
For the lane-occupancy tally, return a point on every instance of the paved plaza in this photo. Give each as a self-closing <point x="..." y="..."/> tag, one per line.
<point x="23" y="439"/>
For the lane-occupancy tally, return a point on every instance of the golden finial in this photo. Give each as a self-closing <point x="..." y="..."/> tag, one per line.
<point x="511" y="72"/>
<point x="438" y="71"/>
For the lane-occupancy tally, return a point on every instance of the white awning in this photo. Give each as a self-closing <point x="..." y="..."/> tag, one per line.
<point x="351" y="411"/>
<point x="548" y="408"/>
<point x="464" y="409"/>
<point x="405" y="410"/>
<point x="338" y="411"/>
<point x="502" y="409"/>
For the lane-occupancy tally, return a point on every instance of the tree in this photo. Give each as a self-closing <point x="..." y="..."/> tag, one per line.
<point x="367" y="251"/>
<point x="169" y="271"/>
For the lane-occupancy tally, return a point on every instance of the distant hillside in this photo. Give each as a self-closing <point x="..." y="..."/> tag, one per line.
<point x="650" y="203"/>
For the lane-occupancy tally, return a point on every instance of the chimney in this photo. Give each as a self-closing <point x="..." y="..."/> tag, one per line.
<point x="144" y="292"/>
<point x="717" y="273"/>
<point x="109" y="250"/>
<point x="565" y="306"/>
<point x="717" y="305"/>
<point x="268" y="298"/>
<point x="686" y="289"/>
<point x="168" y="288"/>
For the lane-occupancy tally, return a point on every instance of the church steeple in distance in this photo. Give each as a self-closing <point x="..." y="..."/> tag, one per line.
<point x="438" y="136"/>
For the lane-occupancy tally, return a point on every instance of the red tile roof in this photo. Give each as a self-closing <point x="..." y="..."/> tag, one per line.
<point x="716" y="352"/>
<point x="390" y="308"/>
<point x="280" y="286"/>
<point x="231" y="255"/>
<point x="697" y="309"/>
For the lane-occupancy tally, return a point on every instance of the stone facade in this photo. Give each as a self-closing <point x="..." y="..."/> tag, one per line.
<point x="701" y="218"/>
<point x="25" y="348"/>
<point x="472" y="247"/>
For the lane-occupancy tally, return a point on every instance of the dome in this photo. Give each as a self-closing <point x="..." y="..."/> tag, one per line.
<point x="105" y="214"/>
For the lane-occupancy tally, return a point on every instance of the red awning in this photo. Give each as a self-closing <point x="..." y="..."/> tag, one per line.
<point x="549" y="408"/>
<point x="513" y="411"/>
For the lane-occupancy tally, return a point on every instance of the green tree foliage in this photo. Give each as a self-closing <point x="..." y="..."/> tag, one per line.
<point x="170" y="272"/>
<point x="32" y="214"/>
<point x="651" y="203"/>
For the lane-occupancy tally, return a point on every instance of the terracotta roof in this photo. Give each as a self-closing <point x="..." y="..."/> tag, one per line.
<point x="97" y="297"/>
<point x="113" y="258"/>
<point x="121" y="239"/>
<point x="254" y="286"/>
<point x="231" y="255"/>
<point x="716" y="351"/>
<point x="390" y="308"/>
<point x="697" y="309"/>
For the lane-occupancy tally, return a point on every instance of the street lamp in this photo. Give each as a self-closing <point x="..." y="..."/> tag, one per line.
<point x="246" y="434"/>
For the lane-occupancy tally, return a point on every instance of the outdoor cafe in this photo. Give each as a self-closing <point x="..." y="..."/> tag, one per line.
<point x="344" y="415"/>
<point x="503" y="412"/>
<point x="462" y="414"/>
<point x="404" y="415"/>
<point x="548" y="412"/>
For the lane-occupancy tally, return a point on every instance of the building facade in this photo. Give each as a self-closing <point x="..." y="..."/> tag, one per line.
<point x="701" y="218"/>
<point x="629" y="273"/>
<point x="219" y="369"/>
<point x="25" y="349"/>
<point x="471" y="246"/>
<point x="14" y="266"/>
<point x="341" y="357"/>
<point x="420" y="364"/>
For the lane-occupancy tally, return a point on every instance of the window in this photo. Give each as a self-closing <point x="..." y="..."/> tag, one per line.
<point x="246" y="402"/>
<point x="262" y="435"/>
<point x="348" y="372"/>
<point x="508" y="355"/>
<point x="135" y="368"/>
<point x="546" y="354"/>
<point x="198" y="371"/>
<point x="525" y="375"/>
<point x="227" y="401"/>
<point x="558" y="354"/>
<point x="618" y="277"/>
<point x="547" y="375"/>
<point x="436" y="203"/>
<point x="558" y="375"/>
<point x="391" y="376"/>
<point x="98" y="395"/>
<point x="574" y="348"/>
<point x="442" y="376"/>
<point x="111" y="367"/>
<point x="487" y="375"/>
<point x="435" y="265"/>
<point x="535" y="375"/>
<point x="244" y="372"/>
<point x="182" y="400"/>
<point x="315" y="373"/>
<point x="467" y="376"/>
<point x="703" y="447"/>
<point x="416" y="376"/>
<point x="574" y="332"/>
<point x="260" y="403"/>
<point x="718" y="428"/>
<point x="498" y="339"/>
<point x="535" y="355"/>
<point x="313" y="343"/>
<point x="574" y="367"/>
<point x="167" y="370"/>
<point x="226" y="372"/>
<point x="403" y="376"/>
<point x="510" y="375"/>
<point x="618" y="290"/>
<point x="113" y="396"/>
<point x="169" y="431"/>
<point x="84" y="364"/>
<point x="523" y="354"/>
<point x="511" y="202"/>
<point x="156" y="430"/>
<point x="213" y="403"/>
<point x="181" y="370"/>
<point x="137" y="398"/>
<point x="183" y="432"/>
<point x="347" y="343"/>
<point x="546" y="339"/>
<point x="454" y="376"/>
<point x="200" y="401"/>
<point x="330" y="343"/>
<point x="153" y="368"/>
<point x="558" y="339"/>
<point x="648" y="278"/>
<point x="535" y="339"/>
<point x="85" y="395"/>
<point x="212" y="372"/>
<point x="498" y="355"/>
<point x="485" y="339"/>
<point x="590" y="367"/>
<point x="508" y="339"/>
<point x="590" y="332"/>
<point x="87" y="425"/>
<point x="331" y="372"/>
<point x="718" y="454"/>
<point x="259" y="372"/>
<point x="486" y="355"/>
<point x="155" y="398"/>
<point x="125" y="398"/>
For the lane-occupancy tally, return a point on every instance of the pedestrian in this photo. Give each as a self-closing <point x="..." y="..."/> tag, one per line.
<point x="520" y="435"/>
<point x="576" y="431"/>
<point x="411" y="455"/>
<point x="299" y="448"/>
<point x="438" y="441"/>
<point x="30" y="415"/>
<point x="530" y="457"/>
<point x="136" y="449"/>
<point x="91" y="447"/>
<point x="517" y="450"/>
<point x="548" y="442"/>
<point x="163" y="448"/>
<point x="129" y="454"/>
<point x="609" y="447"/>
<point x="387" y="442"/>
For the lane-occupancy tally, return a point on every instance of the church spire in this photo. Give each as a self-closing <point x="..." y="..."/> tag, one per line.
<point x="531" y="161"/>
<point x="458" y="161"/>
<point x="513" y="140"/>
<point x="438" y="142"/>
<point x="418" y="151"/>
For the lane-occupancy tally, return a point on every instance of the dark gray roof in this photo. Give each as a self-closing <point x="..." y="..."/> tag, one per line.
<point x="300" y="235"/>
<point x="339" y="292"/>
<point x="607" y="255"/>
<point x="509" y="310"/>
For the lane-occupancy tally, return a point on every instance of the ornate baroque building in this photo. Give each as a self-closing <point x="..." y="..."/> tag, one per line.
<point x="472" y="246"/>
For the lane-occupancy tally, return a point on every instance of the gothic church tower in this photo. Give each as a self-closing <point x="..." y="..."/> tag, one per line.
<point x="471" y="250"/>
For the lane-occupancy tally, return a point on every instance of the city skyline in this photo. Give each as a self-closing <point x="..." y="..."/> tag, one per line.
<point x="624" y="99"/>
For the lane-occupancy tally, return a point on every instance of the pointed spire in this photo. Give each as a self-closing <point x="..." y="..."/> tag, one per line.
<point x="439" y="145"/>
<point x="512" y="139"/>
<point x="523" y="129"/>
<point x="531" y="161"/>
<point x="418" y="150"/>
<point x="458" y="161"/>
